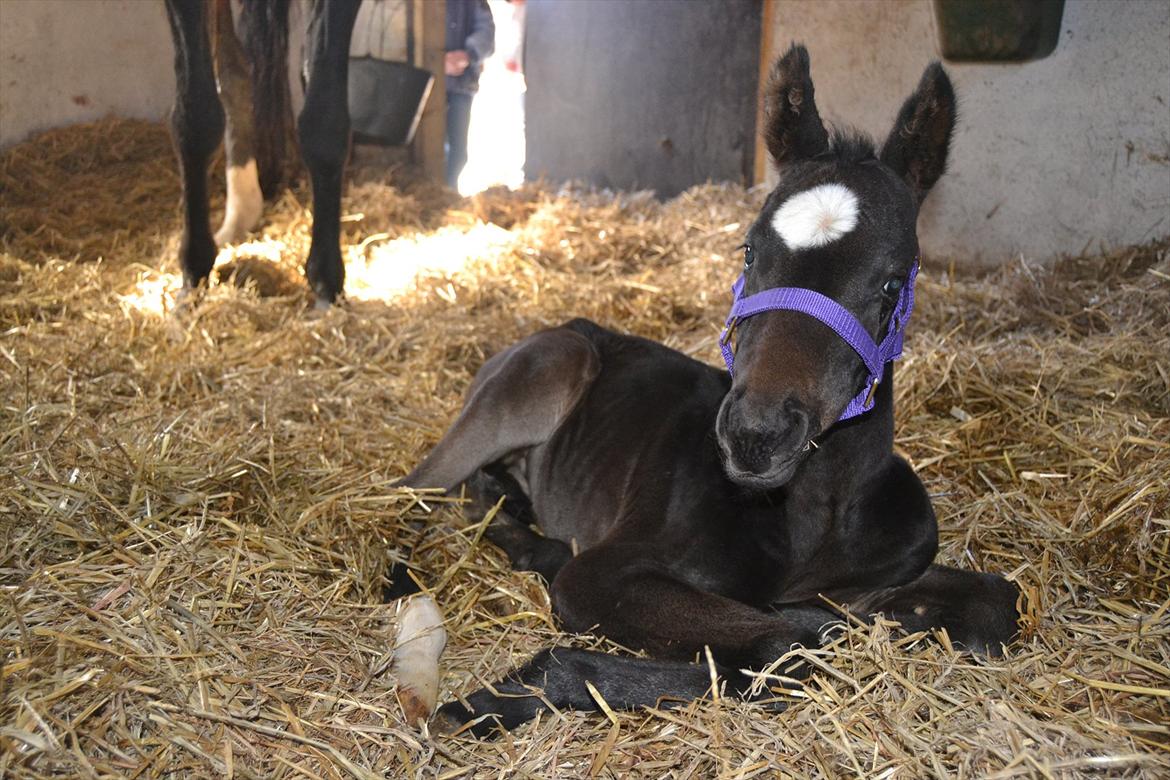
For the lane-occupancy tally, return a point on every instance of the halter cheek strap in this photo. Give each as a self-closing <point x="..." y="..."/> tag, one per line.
<point x="837" y="317"/>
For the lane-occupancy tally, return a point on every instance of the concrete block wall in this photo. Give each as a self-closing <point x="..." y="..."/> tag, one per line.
<point x="1050" y="157"/>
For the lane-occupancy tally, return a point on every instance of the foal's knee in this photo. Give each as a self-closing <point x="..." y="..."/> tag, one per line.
<point x="576" y="598"/>
<point x="795" y="627"/>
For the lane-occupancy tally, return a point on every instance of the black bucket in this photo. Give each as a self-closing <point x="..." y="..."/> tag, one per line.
<point x="997" y="30"/>
<point x="386" y="100"/>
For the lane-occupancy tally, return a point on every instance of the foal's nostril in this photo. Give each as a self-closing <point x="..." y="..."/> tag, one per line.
<point x="798" y="420"/>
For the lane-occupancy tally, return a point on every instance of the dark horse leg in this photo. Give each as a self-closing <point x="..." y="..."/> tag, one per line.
<point x="511" y="529"/>
<point x="555" y="367"/>
<point x="671" y="619"/>
<point x="197" y="123"/>
<point x="517" y="400"/>
<point x="977" y="609"/>
<point x="323" y="126"/>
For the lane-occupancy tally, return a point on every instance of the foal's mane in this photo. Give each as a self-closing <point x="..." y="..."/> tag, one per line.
<point x="849" y="145"/>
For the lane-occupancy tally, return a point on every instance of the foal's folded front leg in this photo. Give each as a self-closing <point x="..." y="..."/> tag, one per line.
<point x="611" y="590"/>
<point x="621" y="592"/>
<point x="978" y="610"/>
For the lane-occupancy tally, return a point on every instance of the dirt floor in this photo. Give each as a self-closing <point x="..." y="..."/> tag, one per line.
<point x="196" y="514"/>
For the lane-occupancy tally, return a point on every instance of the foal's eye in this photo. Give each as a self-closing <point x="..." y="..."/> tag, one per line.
<point x="749" y="257"/>
<point x="892" y="285"/>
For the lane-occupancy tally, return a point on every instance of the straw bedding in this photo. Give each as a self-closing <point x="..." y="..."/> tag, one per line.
<point x="196" y="514"/>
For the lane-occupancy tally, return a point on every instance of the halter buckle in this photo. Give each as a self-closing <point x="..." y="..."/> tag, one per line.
<point x="728" y="330"/>
<point x="872" y="390"/>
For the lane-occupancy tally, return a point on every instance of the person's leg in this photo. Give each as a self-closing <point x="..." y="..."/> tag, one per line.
<point x="458" y="119"/>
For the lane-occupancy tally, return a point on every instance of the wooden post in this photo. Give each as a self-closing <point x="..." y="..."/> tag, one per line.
<point x="430" y="42"/>
<point x="767" y="23"/>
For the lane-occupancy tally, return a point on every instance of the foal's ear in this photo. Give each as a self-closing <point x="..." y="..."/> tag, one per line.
<point x="918" y="144"/>
<point x="792" y="127"/>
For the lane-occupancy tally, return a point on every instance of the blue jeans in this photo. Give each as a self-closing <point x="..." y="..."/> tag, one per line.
<point x="458" y="118"/>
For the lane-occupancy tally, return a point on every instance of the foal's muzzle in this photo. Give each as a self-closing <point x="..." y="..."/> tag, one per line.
<point x="762" y="444"/>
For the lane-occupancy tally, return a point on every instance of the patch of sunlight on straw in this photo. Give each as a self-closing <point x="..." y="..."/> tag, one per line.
<point x="154" y="294"/>
<point x="385" y="271"/>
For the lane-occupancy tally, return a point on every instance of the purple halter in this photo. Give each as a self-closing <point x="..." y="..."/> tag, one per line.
<point x="837" y="317"/>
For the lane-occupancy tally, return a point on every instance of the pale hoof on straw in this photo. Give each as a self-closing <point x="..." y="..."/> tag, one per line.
<point x="420" y="641"/>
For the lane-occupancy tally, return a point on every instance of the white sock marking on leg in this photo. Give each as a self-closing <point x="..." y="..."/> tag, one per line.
<point x="245" y="203"/>
<point x="420" y="641"/>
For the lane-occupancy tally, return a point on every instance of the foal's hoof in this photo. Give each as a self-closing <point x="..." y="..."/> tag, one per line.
<point x="453" y="719"/>
<point x="450" y="718"/>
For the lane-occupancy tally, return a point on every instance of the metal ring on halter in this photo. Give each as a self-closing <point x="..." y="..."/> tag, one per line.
<point x="872" y="391"/>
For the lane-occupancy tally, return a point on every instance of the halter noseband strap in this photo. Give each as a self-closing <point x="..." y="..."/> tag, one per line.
<point x="835" y="316"/>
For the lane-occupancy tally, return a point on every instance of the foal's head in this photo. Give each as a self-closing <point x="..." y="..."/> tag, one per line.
<point x="841" y="222"/>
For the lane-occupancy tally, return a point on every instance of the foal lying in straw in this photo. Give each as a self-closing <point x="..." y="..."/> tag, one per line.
<point x="732" y="511"/>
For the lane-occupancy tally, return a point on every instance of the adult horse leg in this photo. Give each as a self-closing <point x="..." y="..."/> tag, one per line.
<point x="197" y="123"/>
<point x="244" y="201"/>
<point x="323" y="126"/>
<point x="616" y="590"/>
<point x="263" y="28"/>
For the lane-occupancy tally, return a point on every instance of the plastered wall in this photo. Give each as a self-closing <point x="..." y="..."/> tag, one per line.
<point x="1054" y="156"/>
<point x="67" y="61"/>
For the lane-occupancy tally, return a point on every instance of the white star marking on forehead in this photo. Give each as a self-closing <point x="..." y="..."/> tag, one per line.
<point x="817" y="216"/>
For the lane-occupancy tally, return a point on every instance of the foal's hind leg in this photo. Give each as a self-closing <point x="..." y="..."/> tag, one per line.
<point x="518" y="399"/>
<point x="508" y="530"/>
<point x="323" y="126"/>
<point x="619" y="591"/>
<point x="196" y="128"/>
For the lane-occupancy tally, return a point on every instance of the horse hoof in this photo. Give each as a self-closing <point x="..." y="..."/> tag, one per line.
<point x="450" y="718"/>
<point x="186" y="299"/>
<point x="230" y="234"/>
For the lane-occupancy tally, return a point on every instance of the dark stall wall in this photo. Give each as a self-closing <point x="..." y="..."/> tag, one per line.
<point x="642" y="94"/>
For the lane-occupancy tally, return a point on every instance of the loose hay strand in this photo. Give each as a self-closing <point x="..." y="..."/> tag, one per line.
<point x="197" y="512"/>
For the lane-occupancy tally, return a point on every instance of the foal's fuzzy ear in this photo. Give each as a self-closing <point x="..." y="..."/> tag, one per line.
<point x="792" y="127"/>
<point x="917" y="147"/>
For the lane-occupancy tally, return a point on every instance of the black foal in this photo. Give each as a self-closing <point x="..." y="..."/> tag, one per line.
<point x="715" y="511"/>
